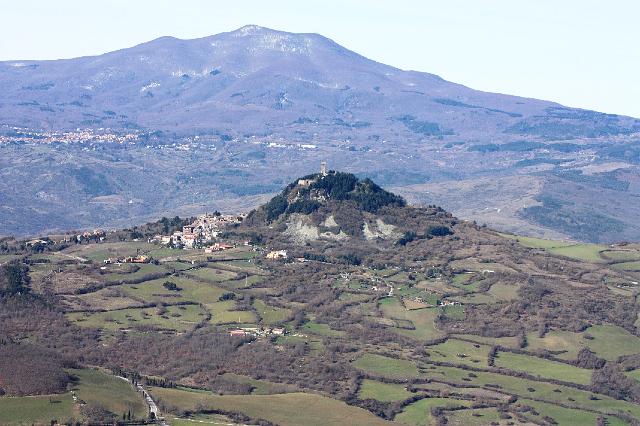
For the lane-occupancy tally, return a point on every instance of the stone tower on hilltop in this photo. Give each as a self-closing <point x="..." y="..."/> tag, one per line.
<point x="323" y="168"/>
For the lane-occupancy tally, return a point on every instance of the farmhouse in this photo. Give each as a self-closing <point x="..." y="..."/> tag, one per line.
<point x="217" y="247"/>
<point x="277" y="254"/>
<point x="137" y="259"/>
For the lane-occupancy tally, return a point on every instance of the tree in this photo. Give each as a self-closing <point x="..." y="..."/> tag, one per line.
<point x="407" y="238"/>
<point x="611" y="380"/>
<point x="14" y="279"/>
<point x="276" y="206"/>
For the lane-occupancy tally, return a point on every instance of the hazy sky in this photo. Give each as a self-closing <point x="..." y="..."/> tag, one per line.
<point x="582" y="53"/>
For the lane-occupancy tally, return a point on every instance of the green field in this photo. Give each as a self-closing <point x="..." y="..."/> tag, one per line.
<point x="177" y="318"/>
<point x="234" y="253"/>
<point x="610" y="341"/>
<point x="473" y="416"/>
<point x="607" y="341"/>
<point x="120" y="273"/>
<point x="504" y="291"/>
<point x="93" y="387"/>
<point x="114" y="394"/>
<point x="315" y="344"/>
<point x="455" y="312"/>
<point x="190" y="290"/>
<point x="225" y="313"/>
<point x="533" y="242"/>
<point x="459" y="352"/>
<point x="36" y="409"/>
<point x="270" y="314"/>
<point x="163" y="252"/>
<point x="99" y="252"/>
<point x="178" y="266"/>
<point x="292" y="409"/>
<point x="473" y="299"/>
<point x="566" y="342"/>
<point x="384" y="392"/>
<point x="586" y="252"/>
<point x="464" y="282"/>
<point x="634" y="374"/>
<point x="321" y="329"/>
<point x="508" y="341"/>
<point x="385" y="273"/>
<point x="260" y="387"/>
<point x="621" y="255"/>
<point x="386" y="367"/>
<point x="201" y="419"/>
<point x="543" y="368"/>
<point x="211" y="274"/>
<point x="545" y="391"/>
<point x="4" y="258"/>
<point x="628" y="266"/>
<point x="244" y="283"/>
<point x="419" y="413"/>
<point x="421" y="319"/>
<point x="565" y="416"/>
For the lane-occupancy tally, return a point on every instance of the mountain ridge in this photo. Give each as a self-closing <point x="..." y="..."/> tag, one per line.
<point x="169" y="63"/>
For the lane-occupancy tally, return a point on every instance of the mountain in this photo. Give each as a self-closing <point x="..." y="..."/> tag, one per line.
<point x="255" y="78"/>
<point x="182" y="126"/>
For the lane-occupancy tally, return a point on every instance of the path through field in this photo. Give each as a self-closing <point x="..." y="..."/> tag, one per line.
<point x="153" y="407"/>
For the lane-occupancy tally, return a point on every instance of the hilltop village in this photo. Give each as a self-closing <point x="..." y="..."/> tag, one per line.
<point x="201" y="233"/>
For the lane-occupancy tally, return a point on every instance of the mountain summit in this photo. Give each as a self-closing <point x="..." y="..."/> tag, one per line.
<point x="335" y="206"/>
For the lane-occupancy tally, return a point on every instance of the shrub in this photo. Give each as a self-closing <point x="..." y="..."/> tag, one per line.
<point x="438" y="231"/>
<point x="170" y="285"/>
<point x="227" y="296"/>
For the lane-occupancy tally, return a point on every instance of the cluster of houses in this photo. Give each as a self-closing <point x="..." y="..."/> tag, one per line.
<point x="205" y="229"/>
<point x="257" y="332"/>
<point x="130" y="259"/>
<point x="96" y="235"/>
